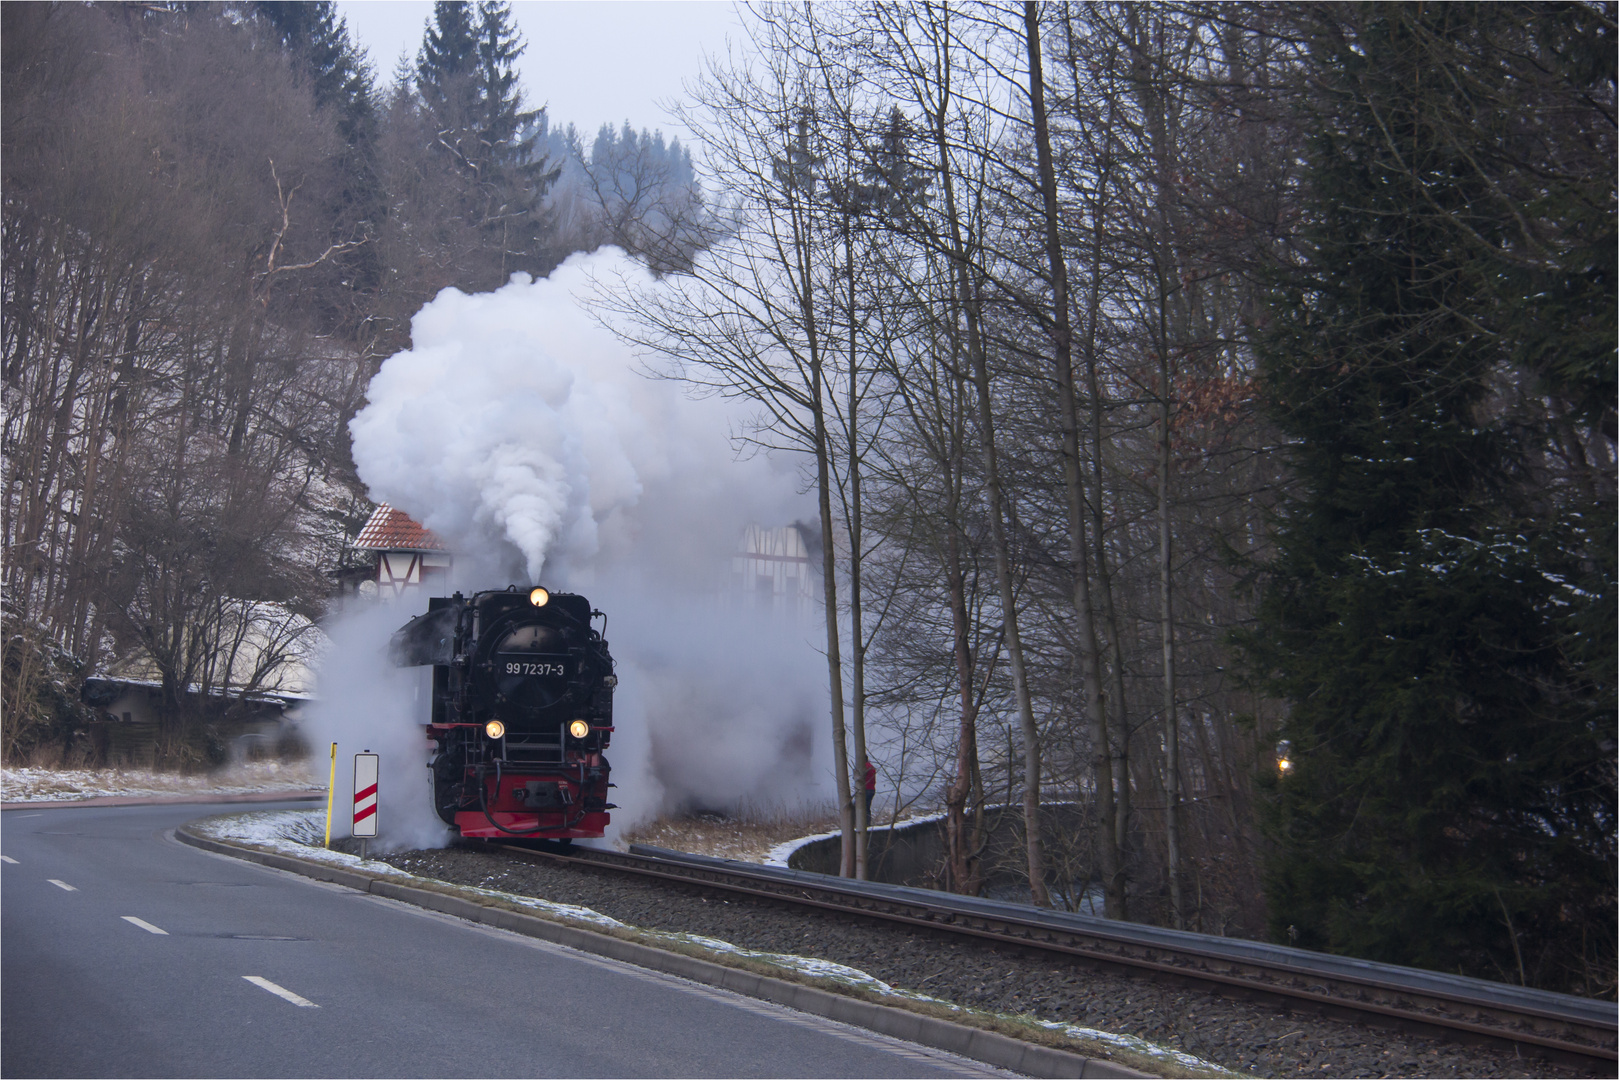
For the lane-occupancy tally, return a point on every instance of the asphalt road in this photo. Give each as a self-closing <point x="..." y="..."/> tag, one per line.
<point x="126" y="953"/>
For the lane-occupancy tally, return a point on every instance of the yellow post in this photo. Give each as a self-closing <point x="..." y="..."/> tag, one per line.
<point x="331" y="783"/>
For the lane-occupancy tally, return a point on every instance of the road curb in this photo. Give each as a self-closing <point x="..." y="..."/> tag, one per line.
<point x="992" y="1048"/>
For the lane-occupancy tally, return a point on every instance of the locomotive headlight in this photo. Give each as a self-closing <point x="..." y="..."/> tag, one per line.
<point x="539" y="597"/>
<point x="578" y="729"/>
<point x="494" y="729"/>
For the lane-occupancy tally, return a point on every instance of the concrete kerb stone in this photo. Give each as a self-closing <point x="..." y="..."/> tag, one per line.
<point x="993" y="1048"/>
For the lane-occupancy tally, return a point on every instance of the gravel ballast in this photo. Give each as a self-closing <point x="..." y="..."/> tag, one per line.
<point x="1250" y="1038"/>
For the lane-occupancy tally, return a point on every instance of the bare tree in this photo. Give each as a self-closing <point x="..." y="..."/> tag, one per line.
<point x="749" y="319"/>
<point x="644" y="197"/>
<point x="170" y="392"/>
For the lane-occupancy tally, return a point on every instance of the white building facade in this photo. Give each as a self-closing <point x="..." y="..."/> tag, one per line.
<point x="409" y="557"/>
<point x="772" y="573"/>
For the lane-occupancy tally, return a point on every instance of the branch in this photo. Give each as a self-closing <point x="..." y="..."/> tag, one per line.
<point x="284" y="199"/>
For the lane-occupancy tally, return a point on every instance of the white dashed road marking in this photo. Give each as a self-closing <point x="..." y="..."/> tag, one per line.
<point x="9" y="859"/>
<point x="144" y="925"/>
<point x="281" y="992"/>
<point x="61" y="885"/>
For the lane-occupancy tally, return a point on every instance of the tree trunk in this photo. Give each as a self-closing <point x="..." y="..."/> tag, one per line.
<point x="1149" y="90"/>
<point x="802" y="244"/>
<point x="1166" y="612"/>
<point x="829" y="584"/>
<point x="963" y="862"/>
<point x="1093" y="555"/>
<point x="1008" y="597"/>
<point x="857" y="643"/>
<point x="1062" y="342"/>
<point x="965" y="288"/>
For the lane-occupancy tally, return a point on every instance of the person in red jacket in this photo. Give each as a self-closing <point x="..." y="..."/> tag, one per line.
<point x="871" y="787"/>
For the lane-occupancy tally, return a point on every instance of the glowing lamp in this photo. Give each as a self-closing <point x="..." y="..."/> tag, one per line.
<point x="578" y="729"/>
<point x="494" y="729"/>
<point x="539" y="597"/>
<point x="1285" y="766"/>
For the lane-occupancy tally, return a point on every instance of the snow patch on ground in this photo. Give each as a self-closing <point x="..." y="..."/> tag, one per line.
<point x="299" y="833"/>
<point x="58" y="785"/>
<point x="778" y="855"/>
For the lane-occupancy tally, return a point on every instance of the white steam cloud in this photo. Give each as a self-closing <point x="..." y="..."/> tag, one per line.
<point x="525" y="435"/>
<point x="365" y="704"/>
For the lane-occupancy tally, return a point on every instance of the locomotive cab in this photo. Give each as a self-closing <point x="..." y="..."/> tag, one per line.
<point x="522" y="711"/>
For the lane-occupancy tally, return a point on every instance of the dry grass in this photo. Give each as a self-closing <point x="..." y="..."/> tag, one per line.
<point x="748" y="834"/>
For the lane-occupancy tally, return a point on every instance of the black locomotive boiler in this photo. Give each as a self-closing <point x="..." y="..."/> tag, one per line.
<point x="522" y="709"/>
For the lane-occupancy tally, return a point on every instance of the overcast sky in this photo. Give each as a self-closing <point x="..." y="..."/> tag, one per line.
<point x="590" y="61"/>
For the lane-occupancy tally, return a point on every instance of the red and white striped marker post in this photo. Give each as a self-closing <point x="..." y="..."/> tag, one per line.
<point x="365" y="798"/>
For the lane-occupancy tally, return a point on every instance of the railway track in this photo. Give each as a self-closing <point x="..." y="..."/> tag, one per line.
<point x="1575" y="1031"/>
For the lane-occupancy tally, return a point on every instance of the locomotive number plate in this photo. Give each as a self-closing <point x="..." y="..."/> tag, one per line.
<point x="526" y="668"/>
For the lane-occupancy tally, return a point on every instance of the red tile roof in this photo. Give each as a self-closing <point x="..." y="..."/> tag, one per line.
<point x="393" y="530"/>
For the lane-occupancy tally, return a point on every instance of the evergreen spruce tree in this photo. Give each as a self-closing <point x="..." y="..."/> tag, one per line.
<point x="499" y="46"/>
<point x="447" y="68"/>
<point x="320" y="43"/>
<point x="901" y="186"/>
<point x="642" y="194"/>
<point x="467" y="85"/>
<point x="1439" y="611"/>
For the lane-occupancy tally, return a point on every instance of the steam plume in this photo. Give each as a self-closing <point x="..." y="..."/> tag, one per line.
<point x="524" y="434"/>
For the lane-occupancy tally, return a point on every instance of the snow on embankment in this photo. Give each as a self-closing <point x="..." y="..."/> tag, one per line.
<point x="298" y="833"/>
<point x="71" y="785"/>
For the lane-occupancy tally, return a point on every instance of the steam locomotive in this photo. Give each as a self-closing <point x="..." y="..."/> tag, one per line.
<point x="522" y="709"/>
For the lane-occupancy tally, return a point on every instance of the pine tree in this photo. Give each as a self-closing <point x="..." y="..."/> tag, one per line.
<point x="901" y="186"/>
<point x="447" y="68"/>
<point x="320" y="43"/>
<point x="499" y="46"/>
<point x="643" y="196"/>
<point x="466" y="81"/>
<point x="1439" y="610"/>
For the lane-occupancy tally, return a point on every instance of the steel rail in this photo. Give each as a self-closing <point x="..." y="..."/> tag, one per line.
<point x="1572" y="1030"/>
